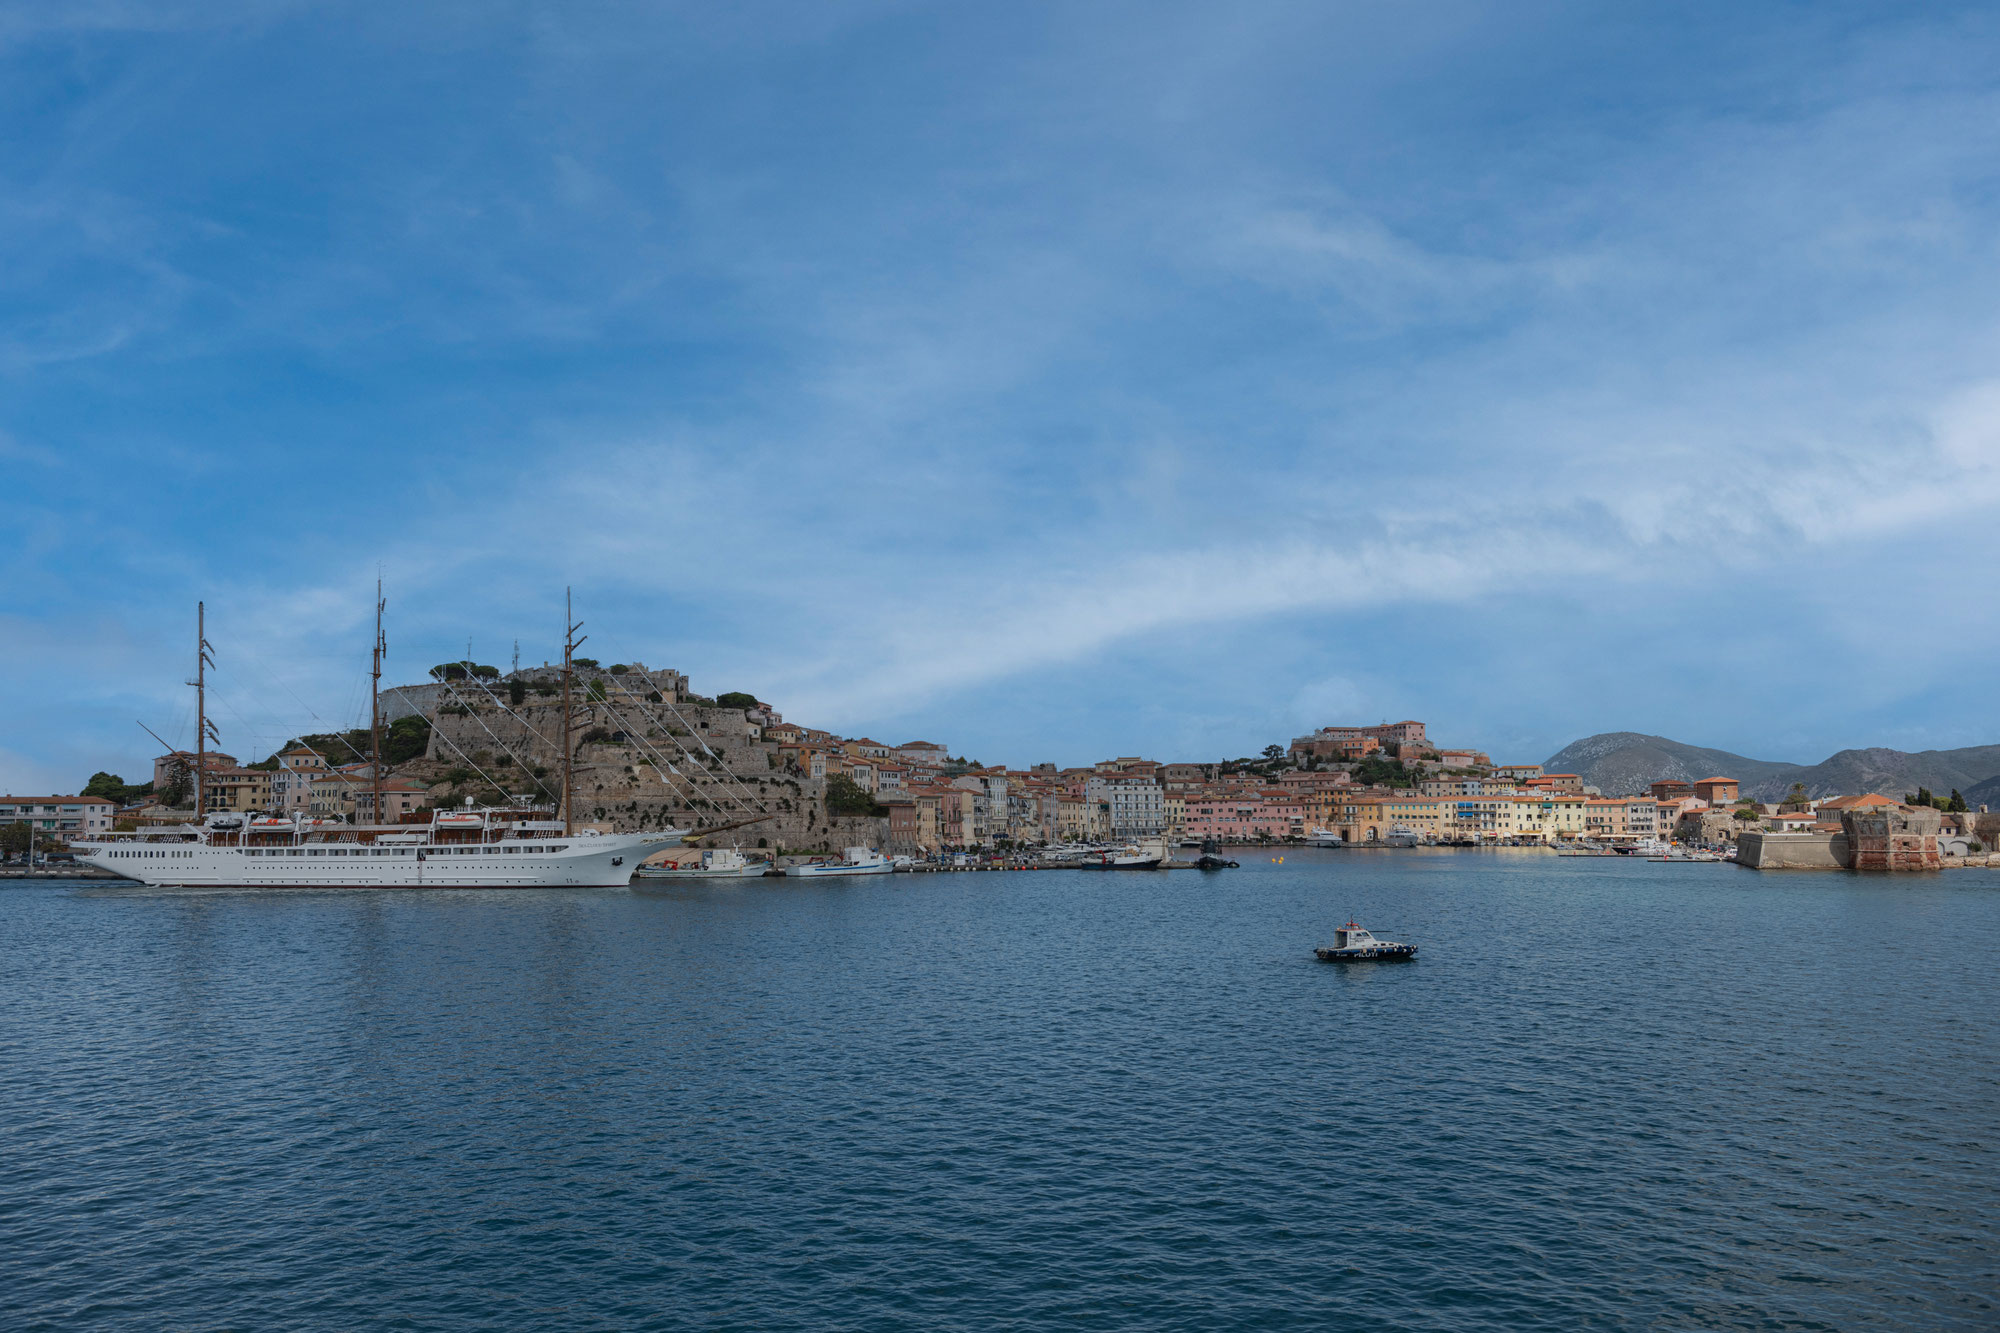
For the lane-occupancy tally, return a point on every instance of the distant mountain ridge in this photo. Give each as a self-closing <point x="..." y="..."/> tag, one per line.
<point x="1627" y="762"/>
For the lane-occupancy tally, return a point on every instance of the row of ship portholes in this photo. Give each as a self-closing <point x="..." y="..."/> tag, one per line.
<point x="333" y="851"/>
<point x="394" y="851"/>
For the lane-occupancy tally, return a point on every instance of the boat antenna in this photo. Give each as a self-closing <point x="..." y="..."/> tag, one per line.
<point x="570" y="644"/>
<point x="375" y="704"/>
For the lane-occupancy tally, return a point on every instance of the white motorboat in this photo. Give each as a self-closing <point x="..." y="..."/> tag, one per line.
<point x="715" y="863"/>
<point x="1353" y="944"/>
<point x="1321" y="837"/>
<point x="1135" y="856"/>
<point x="857" y="861"/>
<point x="1401" y="836"/>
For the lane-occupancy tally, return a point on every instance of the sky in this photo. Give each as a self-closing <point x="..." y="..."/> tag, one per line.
<point x="1050" y="381"/>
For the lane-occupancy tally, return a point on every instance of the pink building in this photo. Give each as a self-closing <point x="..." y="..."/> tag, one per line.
<point x="1254" y="816"/>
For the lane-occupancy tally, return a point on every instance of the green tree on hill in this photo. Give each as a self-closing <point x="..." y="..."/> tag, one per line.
<point x="111" y="787"/>
<point x="845" y="796"/>
<point x="407" y="738"/>
<point x="1375" y="771"/>
<point x="736" y="699"/>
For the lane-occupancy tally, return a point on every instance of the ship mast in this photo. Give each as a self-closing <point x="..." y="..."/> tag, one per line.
<point x="375" y="705"/>
<point x="570" y="644"/>
<point x="202" y="663"/>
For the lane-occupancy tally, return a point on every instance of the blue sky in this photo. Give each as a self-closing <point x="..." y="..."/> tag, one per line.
<point x="1054" y="381"/>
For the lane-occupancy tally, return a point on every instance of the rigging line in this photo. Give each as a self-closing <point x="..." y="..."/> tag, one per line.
<point x="696" y="734"/>
<point x="236" y="650"/>
<point x="727" y="772"/>
<point x="527" y="725"/>
<point x="709" y="798"/>
<point x="494" y="782"/>
<point x="655" y="758"/>
<point x="526" y="768"/>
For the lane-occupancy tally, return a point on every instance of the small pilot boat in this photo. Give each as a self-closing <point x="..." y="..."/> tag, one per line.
<point x="1353" y="944"/>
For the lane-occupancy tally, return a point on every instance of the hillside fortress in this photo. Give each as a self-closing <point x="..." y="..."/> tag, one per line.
<point x="646" y="753"/>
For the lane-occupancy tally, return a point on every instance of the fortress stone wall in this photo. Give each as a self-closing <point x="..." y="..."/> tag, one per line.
<point x="715" y="770"/>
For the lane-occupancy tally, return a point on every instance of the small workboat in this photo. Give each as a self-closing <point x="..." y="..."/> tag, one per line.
<point x="1353" y="944"/>
<point x="715" y="863"/>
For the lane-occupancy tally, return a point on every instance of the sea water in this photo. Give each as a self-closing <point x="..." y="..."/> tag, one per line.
<point x="1606" y="1094"/>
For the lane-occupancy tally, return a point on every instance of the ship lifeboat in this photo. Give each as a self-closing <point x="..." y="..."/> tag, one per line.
<point x="460" y="821"/>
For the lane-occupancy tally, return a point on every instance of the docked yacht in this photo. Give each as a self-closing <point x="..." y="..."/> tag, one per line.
<point x="857" y="861"/>
<point x="715" y="863"/>
<point x="1321" y="837"/>
<point x="1401" y="836"/>
<point x="1353" y="944"/>
<point x="1136" y="856"/>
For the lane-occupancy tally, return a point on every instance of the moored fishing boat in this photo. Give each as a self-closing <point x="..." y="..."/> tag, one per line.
<point x="856" y="861"/>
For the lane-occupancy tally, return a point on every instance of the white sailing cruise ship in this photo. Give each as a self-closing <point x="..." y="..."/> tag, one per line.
<point x="493" y="847"/>
<point x="485" y="848"/>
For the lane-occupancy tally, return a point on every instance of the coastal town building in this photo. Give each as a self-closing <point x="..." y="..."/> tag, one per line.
<point x="59" y="817"/>
<point x="1717" y="791"/>
<point x="921" y="754"/>
<point x="176" y="764"/>
<point x="234" y="788"/>
<point x="1349" y="742"/>
<point x="291" y="784"/>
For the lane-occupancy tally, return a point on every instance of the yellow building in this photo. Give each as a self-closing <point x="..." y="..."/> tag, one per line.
<point x="244" y="789"/>
<point x="1372" y="818"/>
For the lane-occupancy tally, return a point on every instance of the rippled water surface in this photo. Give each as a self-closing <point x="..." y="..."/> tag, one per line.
<point x="1606" y="1095"/>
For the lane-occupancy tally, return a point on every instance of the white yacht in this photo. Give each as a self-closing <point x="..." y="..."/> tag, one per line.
<point x="1353" y="944"/>
<point x="1134" y="856"/>
<point x="1321" y="837"/>
<point x="469" y="848"/>
<point x="857" y="861"/>
<point x="1401" y="836"/>
<point x="715" y="863"/>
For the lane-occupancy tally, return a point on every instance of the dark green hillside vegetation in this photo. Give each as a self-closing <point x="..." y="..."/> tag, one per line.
<point x="111" y="787"/>
<point x="845" y="796"/>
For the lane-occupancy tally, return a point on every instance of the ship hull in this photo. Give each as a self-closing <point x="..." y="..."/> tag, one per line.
<point x="605" y="861"/>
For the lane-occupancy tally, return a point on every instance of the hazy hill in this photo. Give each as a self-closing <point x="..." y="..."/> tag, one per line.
<point x="1620" y="762"/>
